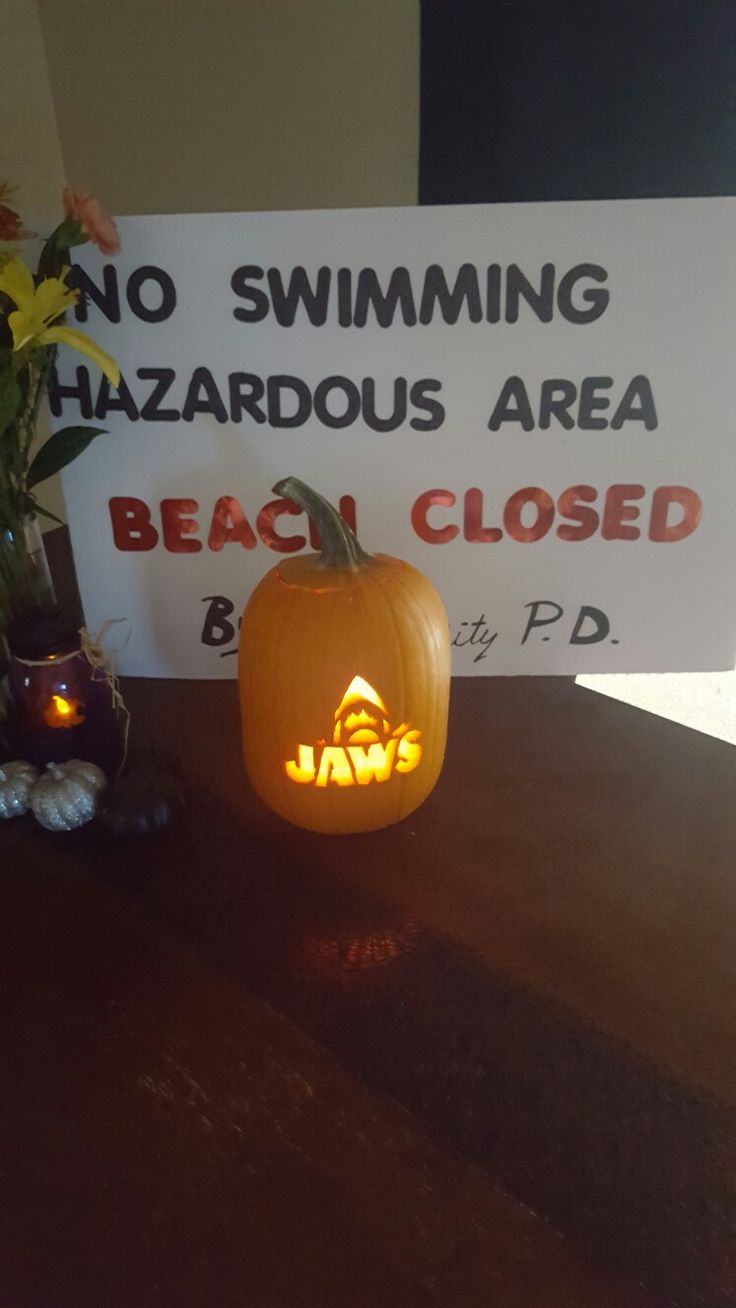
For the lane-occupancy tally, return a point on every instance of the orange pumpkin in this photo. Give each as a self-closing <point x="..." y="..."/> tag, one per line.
<point x="344" y="681"/>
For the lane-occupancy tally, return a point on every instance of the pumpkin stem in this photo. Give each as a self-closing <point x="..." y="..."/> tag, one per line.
<point x="338" y="545"/>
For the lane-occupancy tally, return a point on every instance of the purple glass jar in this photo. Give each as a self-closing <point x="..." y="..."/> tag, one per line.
<point x="62" y="703"/>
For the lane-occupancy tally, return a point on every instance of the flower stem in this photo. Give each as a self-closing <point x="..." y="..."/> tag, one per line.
<point x="31" y="416"/>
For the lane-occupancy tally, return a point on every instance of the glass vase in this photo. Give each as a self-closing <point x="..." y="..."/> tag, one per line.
<point x="25" y="579"/>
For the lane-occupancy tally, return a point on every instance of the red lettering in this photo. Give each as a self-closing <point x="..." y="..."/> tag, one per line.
<point x="543" y="503"/>
<point x="616" y="512"/>
<point x="265" y="523"/>
<point x="473" y="528"/>
<point x="692" y="507"/>
<point x="570" y="507"/>
<point x="176" y="525"/>
<point x="132" y="528"/>
<point x="229" y="523"/>
<point x="420" y="508"/>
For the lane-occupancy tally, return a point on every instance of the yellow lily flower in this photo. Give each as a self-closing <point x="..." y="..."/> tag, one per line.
<point x="38" y="307"/>
<point x="80" y="341"/>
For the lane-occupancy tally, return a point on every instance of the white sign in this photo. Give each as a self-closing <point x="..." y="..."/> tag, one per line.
<point x="532" y="403"/>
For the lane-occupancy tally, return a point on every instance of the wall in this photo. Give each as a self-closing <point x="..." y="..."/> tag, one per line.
<point x="185" y="105"/>
<point x="175" y="106"/>
<point x="30" y="153"/>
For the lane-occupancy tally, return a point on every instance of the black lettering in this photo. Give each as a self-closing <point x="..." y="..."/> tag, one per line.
<point x="107" y="299"/>
<point x="541" y="301"/>
<point x="479" y="634"/>
<point x="398" y="414"/>
<point x="465" y="291"/>
<point x="150" y="273"/>
<point x="556" y="398"/>
<point x="82" y="392"/>
<point x="467" y="637"/>
<point x="286" y="303"/>
<point x="486" y="639"/>
<point x="239" y="283"/>
<point x="217" y="630"/>
<point x="596" y="298"/>
<point x="418" y="397"/>
<point x="535" y="621"/>
<point x="344" y="297"/>
<point x="493" y="293"/>
<point x="208" y="401"/>
<point x="520" y="411"/>
<point x="638" y="389"/>
<point x="276" y="416"/>
<point x="352" y="394"/>
<point x="384" y="306"/>
<point x="163" y="379"/>
<point x="601" y="628"/>
<point x="245" y="392"/>
<point x="121" y="402"/>
<point x="589" y="402"/>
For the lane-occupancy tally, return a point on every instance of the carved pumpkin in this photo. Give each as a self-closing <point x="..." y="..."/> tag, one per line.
<point x="344" y="682"/>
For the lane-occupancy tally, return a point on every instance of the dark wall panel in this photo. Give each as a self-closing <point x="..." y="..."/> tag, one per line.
<point x="577" y="99"/>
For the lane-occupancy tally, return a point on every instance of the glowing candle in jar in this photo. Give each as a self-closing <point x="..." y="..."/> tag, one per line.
<point x="62" y="704"/>
<point x="61" y="712"/>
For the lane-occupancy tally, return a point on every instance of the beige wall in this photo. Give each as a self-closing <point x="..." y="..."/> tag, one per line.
<point x="206" y="105"/>
<point x="176" y="106"/>
<point x="30" y="154"/>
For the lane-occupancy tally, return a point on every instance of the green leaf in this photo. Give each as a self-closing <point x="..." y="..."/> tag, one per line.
<point x="69" y="232"/>
<point x="10" y="399"/>
<point x="60" y="449"/>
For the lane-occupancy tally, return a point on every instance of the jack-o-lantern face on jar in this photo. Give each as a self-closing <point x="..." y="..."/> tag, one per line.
<point x="344" y="682"/>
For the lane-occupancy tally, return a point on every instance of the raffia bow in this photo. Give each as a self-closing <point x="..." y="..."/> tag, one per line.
<point x="104" y="664"/>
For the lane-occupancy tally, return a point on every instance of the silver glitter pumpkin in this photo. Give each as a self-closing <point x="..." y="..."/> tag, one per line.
<point x="16" y="783"/>
<point x="65" y="797"/>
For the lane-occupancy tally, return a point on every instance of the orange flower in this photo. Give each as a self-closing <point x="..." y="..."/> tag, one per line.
<point x="11" y="227"/>
<point x="95" y="221"/>
<point x="10" y="224"/>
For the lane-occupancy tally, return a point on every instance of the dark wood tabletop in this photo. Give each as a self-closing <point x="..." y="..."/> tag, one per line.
<point x="483" y="1059"/>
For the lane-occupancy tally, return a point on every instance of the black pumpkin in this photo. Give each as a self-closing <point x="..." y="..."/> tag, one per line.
<point x="141" y="803"/>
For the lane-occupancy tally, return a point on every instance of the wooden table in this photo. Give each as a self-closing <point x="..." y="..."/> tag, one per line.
<point x="485" y="1058"/>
